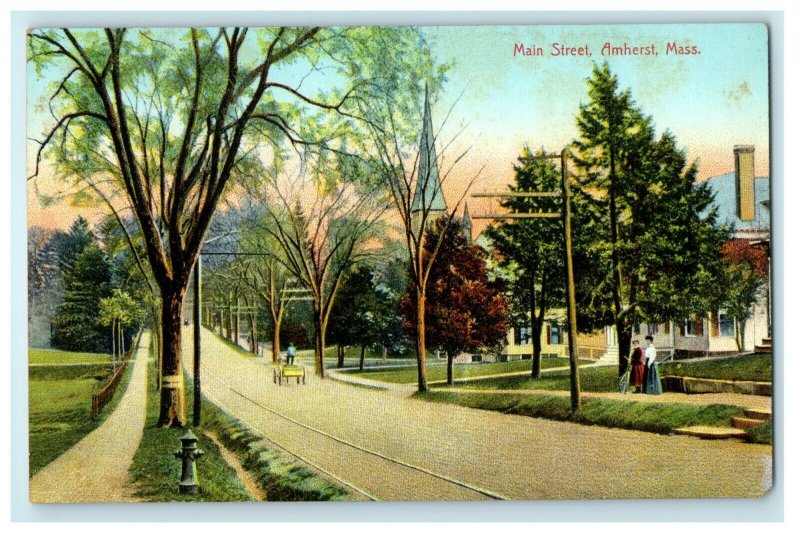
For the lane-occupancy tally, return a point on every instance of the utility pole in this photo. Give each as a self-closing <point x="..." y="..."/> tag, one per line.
<point x="566" y="218"/>
<point x="196" y="319"/>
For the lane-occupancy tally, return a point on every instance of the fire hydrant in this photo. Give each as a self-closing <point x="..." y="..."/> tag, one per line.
<point x="188" y="453"/>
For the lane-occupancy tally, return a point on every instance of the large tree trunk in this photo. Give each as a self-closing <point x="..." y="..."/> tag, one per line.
<point x="230" y="324"/>
<point x="450" y="358"/>
<point x="236" y="327"/>
<point x="422" y="370"/>
<point x="340" y="356"/>
<point x="172" y="411"/>
<point x="319" y="343"/>
<point x="536" y="332"/>
<point x="276" y="342"/>
<point x="361" y="359"/>
<point x="623" y="336"/>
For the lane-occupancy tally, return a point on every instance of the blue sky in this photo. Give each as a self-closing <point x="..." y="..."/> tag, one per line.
<point x="710" y="101"/>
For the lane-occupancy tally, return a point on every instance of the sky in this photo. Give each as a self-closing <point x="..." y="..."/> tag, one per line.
<point x="710" y="101"/>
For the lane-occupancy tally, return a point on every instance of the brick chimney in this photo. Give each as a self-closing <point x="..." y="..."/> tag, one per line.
<point x="743" y="155"/>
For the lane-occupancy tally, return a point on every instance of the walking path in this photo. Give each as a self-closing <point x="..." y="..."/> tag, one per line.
<point x="96" y="468"/>
<point x="389" y="446"/>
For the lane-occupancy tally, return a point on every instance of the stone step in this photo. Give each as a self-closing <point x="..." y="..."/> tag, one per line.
<point x="762" y="348"/>
<point x="766" y="341"/>
<point x="741" y="422"/>
<point x="759" y="414"/>
<point x="712" y="432"/>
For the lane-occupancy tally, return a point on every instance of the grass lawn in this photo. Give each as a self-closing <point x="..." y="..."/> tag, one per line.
<point x="57" y="357"/>
<point x="354" y="352"/>
<point x="755" y="367"/>
<point x="439" y="372"/>
<point x="59" y="402"/>
<point x="651" y="417"/>
<point x="600" y="379"/>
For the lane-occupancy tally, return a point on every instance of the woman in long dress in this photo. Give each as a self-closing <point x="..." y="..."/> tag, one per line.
<point x="652" y="380"/>
<point x="637" y="370"/>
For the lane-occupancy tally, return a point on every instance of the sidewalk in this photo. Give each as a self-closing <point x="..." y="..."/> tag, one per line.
<point x="96" y="468"/>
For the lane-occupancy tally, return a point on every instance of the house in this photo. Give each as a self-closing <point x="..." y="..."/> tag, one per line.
<point x="742" y="201"/>
<point x="600" y="345"/>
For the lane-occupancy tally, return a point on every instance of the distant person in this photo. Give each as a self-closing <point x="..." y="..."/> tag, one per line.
<point x="291" y="351"/>
<point x="652" y="381"/>
<point x="637" y="369"/>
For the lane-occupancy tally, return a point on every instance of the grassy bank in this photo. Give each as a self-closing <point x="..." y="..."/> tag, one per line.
<point x="279" y="475"/>
<point x="439" y="372"/>
<point x="60" y="400"/>
<point x="651" y="417"/>
<point x="155" y="471"/>
<point x="754" y="367"/>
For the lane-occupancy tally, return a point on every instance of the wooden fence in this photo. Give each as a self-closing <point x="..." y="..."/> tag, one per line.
<point x="101" y="398"/>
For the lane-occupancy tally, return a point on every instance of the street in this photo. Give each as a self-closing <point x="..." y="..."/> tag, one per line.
<point x="385" y="445"/>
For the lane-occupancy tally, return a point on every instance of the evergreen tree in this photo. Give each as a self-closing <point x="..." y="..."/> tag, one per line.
<point x="76" y="327"/>
<point x="659" y="251"/>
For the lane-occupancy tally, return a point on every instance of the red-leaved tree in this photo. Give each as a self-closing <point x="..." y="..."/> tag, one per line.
<point x="465" y="309"/>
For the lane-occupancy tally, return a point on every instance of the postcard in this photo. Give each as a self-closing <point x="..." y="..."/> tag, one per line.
<point x="394" y="263"/>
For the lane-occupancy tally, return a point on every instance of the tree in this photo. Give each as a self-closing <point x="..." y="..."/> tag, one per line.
<point x="465" y="310"/>
<point x="119" y="311"/>
<point x="745" y="280"/>
<point x="85" y="285"/>
<point x="167" y="117"/>
<point x="406" y="158"/>
<point x="360" y="314"/>
<point x="661" y="248"/>
<point x="322" y="242"/>
<point x="532" y="249"/>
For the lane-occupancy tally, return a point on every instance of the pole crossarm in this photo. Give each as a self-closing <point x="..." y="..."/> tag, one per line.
<point x="256" y="254"/>
<point x="554" y="155"/>
<point x="520" y="194"/>
<point x="549" y="214"/>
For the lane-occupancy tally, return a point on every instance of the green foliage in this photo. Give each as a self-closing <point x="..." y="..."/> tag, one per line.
<point x="762" y="434"/>
<point x="76" y="325"/>
<point x="659" y="255"/>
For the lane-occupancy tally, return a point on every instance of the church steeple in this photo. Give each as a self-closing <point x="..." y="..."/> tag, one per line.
<point x="428" y="195"/>
<point x="466" y="224"/>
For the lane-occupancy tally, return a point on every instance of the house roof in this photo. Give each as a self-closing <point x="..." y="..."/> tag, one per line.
<point x="724" y="189"/>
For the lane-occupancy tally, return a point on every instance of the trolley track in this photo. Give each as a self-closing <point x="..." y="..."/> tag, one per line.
<point x="397" y="464"/>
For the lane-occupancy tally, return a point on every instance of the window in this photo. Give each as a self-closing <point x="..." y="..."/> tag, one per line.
<point x="556" y="335"/>
<point x="693" y="327"/>
<point x="726" y="325"/>
<point x="522" y="335"/>
<point x="652" y="329"/>
<point x="637" y="329"/>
